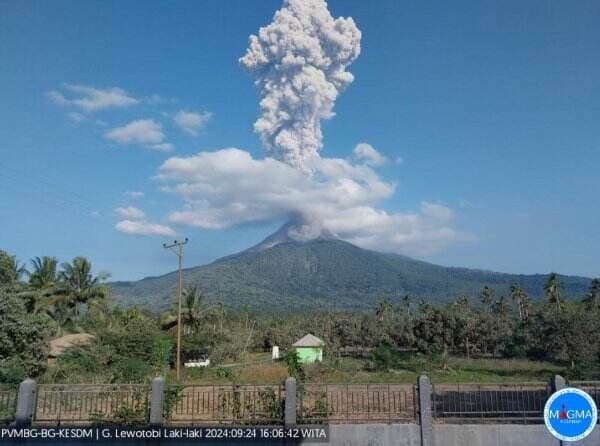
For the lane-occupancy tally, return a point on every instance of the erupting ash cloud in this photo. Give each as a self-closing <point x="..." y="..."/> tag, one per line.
<point x="299" y="64"/>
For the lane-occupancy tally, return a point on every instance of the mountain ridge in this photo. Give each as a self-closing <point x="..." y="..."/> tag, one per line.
<point x="327" y="272"/>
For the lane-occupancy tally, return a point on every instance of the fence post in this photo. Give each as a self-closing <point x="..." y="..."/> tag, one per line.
<point x="425" y="414"/>
<point x="290" y="402"/>
<point x="157" y="399"/>
<point x="25" y="403"/>
<point x="557" y="383"/>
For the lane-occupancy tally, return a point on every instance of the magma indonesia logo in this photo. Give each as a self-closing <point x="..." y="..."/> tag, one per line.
<point x="570" y="414"/>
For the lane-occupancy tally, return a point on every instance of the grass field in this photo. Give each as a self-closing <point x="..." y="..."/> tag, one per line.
<point x="358" y="370"/>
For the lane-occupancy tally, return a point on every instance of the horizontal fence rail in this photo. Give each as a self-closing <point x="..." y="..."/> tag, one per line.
<point x="591" y="387"/>
<point x="486" y="403"/>
<point x="85" y="404"/>
<point x="8" y="403"/>
<point x="228" y="404"/>
<point x="356" y="403"/>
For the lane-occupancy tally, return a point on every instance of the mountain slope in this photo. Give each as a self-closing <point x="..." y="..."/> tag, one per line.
<point x="301" y="275"/>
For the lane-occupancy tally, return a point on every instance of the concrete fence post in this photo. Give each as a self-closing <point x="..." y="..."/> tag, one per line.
<point x="557" y="383"/>
<point x="290" y="402"/>
<point x="25" y="403"/>
<point x="425" y="413"/>
<point x="157" y="401"/>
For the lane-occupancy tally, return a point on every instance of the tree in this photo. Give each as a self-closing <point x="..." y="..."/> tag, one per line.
<point x="294" y="365"/>
<point x="22" y="337"/>
<point x="10" y="270"/>
<point x="80" y="286"/>
<point x="64" y="317"/>
<point x="406" y="300"/>
<point x="194" y="312"/>
<point x="43" y="284"/>
<point x="553" y="292"/>
<point x="486" y="297"/>
<point x="520" y="296"/>
<point x="592" y="298"/>
<point x="384" y="310"/>
<point x="44" y="272"/>
<point x="192" y="300"/>
<point x="464" y="323"/>
<point x="501" y="307"/>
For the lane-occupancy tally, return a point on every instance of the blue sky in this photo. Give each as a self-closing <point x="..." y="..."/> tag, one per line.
<point x="493" y="107"/>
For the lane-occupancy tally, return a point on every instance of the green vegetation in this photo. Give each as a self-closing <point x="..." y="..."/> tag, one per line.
<point x="331" y="274"/>
<point x="493" y="337"/>
<point x="23" y="337"/>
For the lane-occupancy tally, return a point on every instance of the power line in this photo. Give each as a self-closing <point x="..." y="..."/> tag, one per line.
<point x="40" y="179"/>
<point x="51" y="195"/>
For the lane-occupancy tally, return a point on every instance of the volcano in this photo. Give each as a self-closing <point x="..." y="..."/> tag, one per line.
<point x="302" y="267"/>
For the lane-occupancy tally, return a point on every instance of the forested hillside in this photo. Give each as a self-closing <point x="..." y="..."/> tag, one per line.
<point x="330" y="273"/>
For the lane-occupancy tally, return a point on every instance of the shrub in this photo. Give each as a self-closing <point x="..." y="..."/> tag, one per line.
<point x="131" y="370"/>
<point x="294" y="366"/>
<point x="22" y="336"/>
<point x="384" y="357"/>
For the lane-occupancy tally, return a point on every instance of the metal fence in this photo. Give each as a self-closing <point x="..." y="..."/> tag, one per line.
<point x="186" y="404"/>
<point x="591" y="387"/>
<point x="504" y="403"/>
<point x="8" y="403"/>
<point x="229" y="404"/>
<point x="101" y="403"/>
<point x="356" y="403"/>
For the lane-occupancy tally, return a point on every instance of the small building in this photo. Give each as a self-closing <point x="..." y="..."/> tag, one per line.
<point x="309" y="349"/>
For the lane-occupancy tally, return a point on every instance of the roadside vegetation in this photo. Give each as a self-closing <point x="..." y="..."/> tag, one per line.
<point x="487" y="338"/>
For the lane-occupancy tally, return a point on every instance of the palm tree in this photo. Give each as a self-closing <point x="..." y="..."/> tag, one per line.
<point x="44" y="272"/>
<point x="520" y="296"/>
<point x="552" y="289"/>
<point x="193" y="308"/>
<point x="592" y="298"/>
<point x="193" y="311"/>
<point x="486" y="296"/>
<point x="383" y="310"/>
<point x="79" y="285"/>
<point x="64" y="317"/>
<point x="43" y="283"/>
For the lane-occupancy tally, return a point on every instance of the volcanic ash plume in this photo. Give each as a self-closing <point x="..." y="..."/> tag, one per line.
<point x="299" y="64"/>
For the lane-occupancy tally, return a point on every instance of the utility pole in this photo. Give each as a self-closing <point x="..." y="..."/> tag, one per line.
<point x="177" y="248"/>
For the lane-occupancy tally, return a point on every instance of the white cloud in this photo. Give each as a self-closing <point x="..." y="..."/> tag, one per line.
<point x="134" y="194"/>
<point x="191" y="122"/>
<point x="228" y="187"/>
<point x="90" y="99"/>
<point x="367" y="153"/>
<point x="141" y="227"/>
<point x="154" y="99"/>
<point x="133" y="222"/>
<point x="142" y="131"/>
<point x="437" y="211"/>
<point x="130" y="213"/>
<point x="163" y="147"/>
<point x="76" y="117"/>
